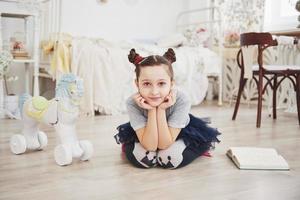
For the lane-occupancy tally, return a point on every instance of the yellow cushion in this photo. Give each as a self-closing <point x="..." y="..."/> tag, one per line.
<point x="37" y="107"/>
<point x="40" y="103"/>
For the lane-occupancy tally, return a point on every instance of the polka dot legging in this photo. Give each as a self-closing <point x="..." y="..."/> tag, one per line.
<point x="176" y="156"/>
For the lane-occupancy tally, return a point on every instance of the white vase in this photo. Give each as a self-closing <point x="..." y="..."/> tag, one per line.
<point x="11" y="106"/>
<point x="2" y="113"/>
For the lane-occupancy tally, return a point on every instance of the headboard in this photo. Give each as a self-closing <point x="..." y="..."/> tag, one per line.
<point x="209" y="20"/>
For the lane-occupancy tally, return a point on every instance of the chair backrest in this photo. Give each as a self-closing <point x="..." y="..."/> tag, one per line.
<point x="263" y="40"/>
<point x="253" y="38"/>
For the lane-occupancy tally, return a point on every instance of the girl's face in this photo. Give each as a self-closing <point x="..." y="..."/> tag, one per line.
<point x="154" y="84"/>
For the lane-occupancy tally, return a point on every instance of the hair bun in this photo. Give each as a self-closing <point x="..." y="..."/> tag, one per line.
<point x="170" y="55"/>
<point x="134" y="58"/>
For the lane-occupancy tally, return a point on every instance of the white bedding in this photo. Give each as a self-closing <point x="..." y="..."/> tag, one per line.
<point x="109" y="77"/>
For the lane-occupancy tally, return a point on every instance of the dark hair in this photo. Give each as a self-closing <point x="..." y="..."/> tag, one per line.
<point x="167" y="59"/>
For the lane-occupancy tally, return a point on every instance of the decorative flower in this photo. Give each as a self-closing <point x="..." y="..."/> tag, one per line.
<point x="5" y="59"/>
<point x="232" y="37"/>
<point x="18" y="45"/>
<point x="201" y="30"/>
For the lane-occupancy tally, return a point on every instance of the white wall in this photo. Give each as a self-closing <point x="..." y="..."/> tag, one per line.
<point x="117" y="19"/>
<point x="198" y="17"/>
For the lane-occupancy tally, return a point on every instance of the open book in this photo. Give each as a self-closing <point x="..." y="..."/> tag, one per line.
<point x="257" y="158"/>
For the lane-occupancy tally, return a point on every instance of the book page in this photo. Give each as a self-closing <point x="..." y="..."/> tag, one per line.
<point x="262" y="162"/>
<point x="253" y="151"/>
<point x="257" y="158"/>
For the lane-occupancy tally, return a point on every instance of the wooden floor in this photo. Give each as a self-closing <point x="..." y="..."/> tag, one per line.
<point x="108" y="175"/>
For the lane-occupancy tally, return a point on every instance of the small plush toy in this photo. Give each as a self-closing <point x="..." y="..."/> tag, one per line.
<point x="60" y="112"/>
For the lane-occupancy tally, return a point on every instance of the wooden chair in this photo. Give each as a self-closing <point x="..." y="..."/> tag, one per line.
<point x="273" y="74"/>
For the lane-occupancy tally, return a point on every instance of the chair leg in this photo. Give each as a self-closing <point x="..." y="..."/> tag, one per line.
<point x="274" y="97"/>
<point x="237" y="103"/>
<point x="259" y="103"/>
<point x="298" y="96"/>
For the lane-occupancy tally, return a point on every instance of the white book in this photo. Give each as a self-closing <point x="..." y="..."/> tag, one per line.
<point x="257" y="158"/>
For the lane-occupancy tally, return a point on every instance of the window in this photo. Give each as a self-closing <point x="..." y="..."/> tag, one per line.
<point x="280" y="15"/>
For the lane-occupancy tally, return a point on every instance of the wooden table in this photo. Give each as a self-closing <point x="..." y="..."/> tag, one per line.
<point x="291" y="32"/>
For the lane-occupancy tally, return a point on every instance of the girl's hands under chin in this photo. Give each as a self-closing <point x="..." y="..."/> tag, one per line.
<point x="141" y="102"/>
<point x="169" y="101"/>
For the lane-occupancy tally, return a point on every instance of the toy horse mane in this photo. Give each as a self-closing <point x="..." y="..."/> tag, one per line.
<point x="63" y="89"/>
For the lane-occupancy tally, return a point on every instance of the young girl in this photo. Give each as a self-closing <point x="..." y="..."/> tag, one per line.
<point x="161" y="131"/>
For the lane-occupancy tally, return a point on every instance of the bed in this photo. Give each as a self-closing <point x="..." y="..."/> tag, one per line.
<point x="109" y="77"/>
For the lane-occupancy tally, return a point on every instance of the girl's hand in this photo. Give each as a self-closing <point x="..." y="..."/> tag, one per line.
<point x="141" y="102"/>
<point x="169" y="101"/>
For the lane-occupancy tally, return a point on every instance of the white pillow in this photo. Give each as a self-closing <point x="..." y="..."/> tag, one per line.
<point x="173" y="40"/>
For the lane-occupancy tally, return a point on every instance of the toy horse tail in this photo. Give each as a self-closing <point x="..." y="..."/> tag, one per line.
<point x="22" y="100"/>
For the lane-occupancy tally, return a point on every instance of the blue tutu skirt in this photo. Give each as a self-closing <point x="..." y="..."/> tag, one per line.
<point x="196" y="135"/>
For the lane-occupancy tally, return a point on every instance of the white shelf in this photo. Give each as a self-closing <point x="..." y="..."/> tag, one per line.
<point x="10" y="9"/>
<point x="16" y="15"/>
<point x="23" y="61"/>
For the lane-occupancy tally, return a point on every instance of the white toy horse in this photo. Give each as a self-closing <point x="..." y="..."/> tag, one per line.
<point x="60" y="112"/>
